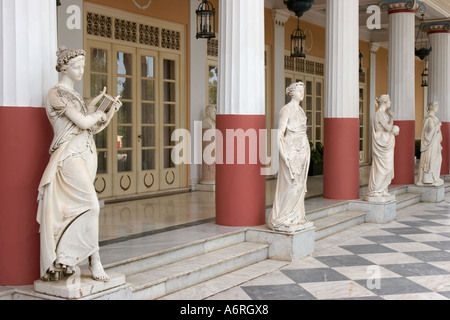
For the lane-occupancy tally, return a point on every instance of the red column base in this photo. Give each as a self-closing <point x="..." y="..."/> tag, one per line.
<point x="445" y="167"/>
<point x="404" y="153"/>
<point x="26" y="136"/>
<point x="240" y="188"/>
<point x="341" y="159"/>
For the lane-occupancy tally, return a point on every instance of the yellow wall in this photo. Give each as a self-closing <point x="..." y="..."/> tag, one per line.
<point x="170" y="10"/>
<point x="419" y="98"/>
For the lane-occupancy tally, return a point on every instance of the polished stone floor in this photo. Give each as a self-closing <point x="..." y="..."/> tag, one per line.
<point x="406" y="259"/>
<point x="130" y="229"/>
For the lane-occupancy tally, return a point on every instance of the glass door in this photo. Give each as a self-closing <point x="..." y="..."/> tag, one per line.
<point x="124" y="149"/>
<point x="98" y="69"/>
<point x="309" y="108"/>
<point x="148" y="113"/>
<point x="169" y="118"/>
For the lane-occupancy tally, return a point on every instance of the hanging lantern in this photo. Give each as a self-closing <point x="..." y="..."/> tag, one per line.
<point x="206" y="20"/>
<point x="425" y="75"/>
<point x="298" y="6"/>
<point x="297" y="39"/>
<point x="425" y="50"/>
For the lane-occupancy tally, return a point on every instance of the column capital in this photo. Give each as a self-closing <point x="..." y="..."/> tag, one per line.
<point x="374" y="47"/>
<point x="280" y="16"/>
<point x="436" y="26"/>
<point x="397" y="6"/>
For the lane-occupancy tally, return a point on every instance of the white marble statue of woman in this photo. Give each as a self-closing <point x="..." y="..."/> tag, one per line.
<point x="431" y="149"/>
<point x="288" y="214"/>
<point x="209" y="122"/>
<point x="68" y="211"/>
<point x="383" y="144"/>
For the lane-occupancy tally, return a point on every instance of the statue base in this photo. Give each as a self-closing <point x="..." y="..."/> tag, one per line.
<point x="383" y="211"/>
<point x="381" y="199"/>
<point x="286" y="246"/>
<point x="76" y="288"/>
<point x="429" y="193"/>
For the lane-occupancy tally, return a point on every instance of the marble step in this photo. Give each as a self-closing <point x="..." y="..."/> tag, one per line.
<point x="447" y="186"/>
<point x="323" y="212"/>
<point x="398" y="189"/>
<point x="171" y="255"/>
<point x="167" y="279"/>
<point x="6" y="293"/>
<point x="407" y="199"/>
<point x="217" y="285"/>
<point x="337" y="223"/>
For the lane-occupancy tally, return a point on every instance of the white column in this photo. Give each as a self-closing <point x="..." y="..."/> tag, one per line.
<point x="439" y="70"/>
<point x="28" y="45"/>
<point x="401" y="80"/>
<point x="241" y="58"/>
<point x="240" y="188"/>
<point x="342" y="100"/>
<point x="401" y="85"/>
<point x="342" y="54"/>
<point x="27" y="72"/>
<point x="439" y="82"/>
<point x="279" y="91"/>
<point x="373" y="89"/>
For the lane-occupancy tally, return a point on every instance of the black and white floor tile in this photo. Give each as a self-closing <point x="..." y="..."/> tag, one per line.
<point x="408" y="258"/>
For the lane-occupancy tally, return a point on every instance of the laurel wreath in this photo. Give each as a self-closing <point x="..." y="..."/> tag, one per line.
<point x="145" y="6"/>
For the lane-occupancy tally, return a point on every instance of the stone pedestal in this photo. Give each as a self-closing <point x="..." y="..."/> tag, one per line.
<point x="283" y="246"/>
<point x="429" y="194"/>
<point x="83" y="287"/>
<point x="376" y="212"/>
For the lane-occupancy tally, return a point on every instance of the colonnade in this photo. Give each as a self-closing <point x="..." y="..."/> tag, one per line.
<point x="27" y="72"/>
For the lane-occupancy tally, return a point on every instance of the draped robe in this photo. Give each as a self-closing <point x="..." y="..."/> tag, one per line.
<point x="68" y="206"/>
<point x="383" y="144"/>
<point x="431" y="152"/>
<point x="288" y="213"/>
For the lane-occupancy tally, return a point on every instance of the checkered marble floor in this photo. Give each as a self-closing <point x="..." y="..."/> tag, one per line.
<point x="408" y="258"/>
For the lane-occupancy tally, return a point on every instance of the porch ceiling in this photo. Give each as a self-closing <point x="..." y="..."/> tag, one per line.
<point x="435" y="9"/>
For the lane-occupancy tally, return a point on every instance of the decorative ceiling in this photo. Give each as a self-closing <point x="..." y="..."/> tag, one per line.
<point x="435" y="9"/>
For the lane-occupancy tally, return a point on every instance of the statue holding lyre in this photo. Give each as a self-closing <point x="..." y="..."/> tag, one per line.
<point x="68" y="210"/>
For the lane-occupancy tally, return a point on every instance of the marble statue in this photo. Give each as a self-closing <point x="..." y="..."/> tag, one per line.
<point x="68" y="207"/>
<point x="209" y="122"/>
<point x="288" y="214"/>
<point x="383" y="143"/>
<point x="431" y="149"/>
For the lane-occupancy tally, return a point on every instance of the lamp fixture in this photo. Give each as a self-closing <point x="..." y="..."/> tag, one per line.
<point x="425" y="75"/>
<point x="426" y="49"/>
<point x="299" y="7"/>
<point x="206" y="20"/>
<point x="297" y="39"/>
